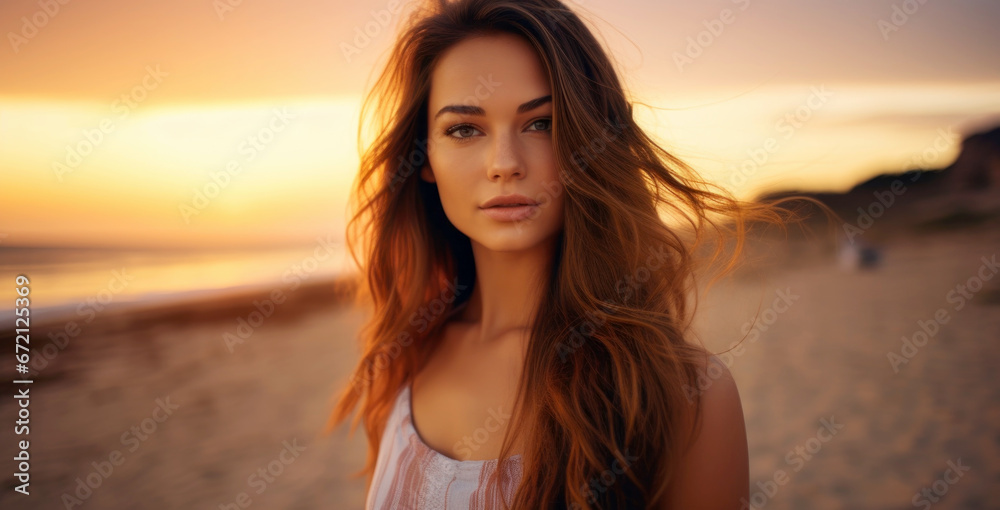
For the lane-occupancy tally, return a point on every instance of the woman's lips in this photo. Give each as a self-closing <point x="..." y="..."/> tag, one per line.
<point x="509" y="200"/>
<point x="510" y="212"/>
<point x="512" y="207"/>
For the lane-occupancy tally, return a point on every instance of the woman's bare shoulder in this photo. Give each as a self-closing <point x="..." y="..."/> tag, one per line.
<point x="715" y="470"/>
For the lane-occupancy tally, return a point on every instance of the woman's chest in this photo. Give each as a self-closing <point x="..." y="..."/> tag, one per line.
<point x="463" y="398"/>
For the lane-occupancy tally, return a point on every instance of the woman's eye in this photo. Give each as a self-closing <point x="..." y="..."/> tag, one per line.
<point x="547" y="122"/>
<point x="465" y="129"/>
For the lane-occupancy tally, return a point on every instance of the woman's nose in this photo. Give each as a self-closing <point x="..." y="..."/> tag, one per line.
<point x="505" y="161"/>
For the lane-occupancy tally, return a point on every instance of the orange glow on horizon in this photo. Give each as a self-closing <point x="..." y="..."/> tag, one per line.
<point x="162" y="97"/>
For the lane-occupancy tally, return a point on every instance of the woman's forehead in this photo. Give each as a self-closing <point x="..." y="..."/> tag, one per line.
<point x="494" y="72"/>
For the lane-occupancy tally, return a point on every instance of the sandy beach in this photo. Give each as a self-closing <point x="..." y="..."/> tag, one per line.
<point x="160" y="411"/>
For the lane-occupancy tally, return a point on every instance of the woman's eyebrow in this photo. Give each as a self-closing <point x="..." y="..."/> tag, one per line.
<point x="462" y="109"/>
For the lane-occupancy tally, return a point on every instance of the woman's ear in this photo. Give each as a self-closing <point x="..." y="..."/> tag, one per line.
<point x="427" y="174"/>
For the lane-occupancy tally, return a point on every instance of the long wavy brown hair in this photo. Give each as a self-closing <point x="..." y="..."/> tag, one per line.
<point x="610" y="351"/>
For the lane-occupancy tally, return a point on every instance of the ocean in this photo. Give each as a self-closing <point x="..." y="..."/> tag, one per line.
<point x="68" y="282"/>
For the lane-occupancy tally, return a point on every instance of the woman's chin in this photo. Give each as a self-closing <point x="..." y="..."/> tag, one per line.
<point x="527" y="237"/>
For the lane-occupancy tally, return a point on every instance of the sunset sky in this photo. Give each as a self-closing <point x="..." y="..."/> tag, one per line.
<point x="170" y="93"/>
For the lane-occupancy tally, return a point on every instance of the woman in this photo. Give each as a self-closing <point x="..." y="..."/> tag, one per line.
<point x="529" y="344"/>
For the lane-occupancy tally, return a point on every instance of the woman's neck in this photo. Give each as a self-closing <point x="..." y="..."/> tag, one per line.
<point x="508" y="289"/>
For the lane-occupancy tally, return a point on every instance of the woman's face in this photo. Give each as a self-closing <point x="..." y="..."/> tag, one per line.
<point x="490" y="146"/>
